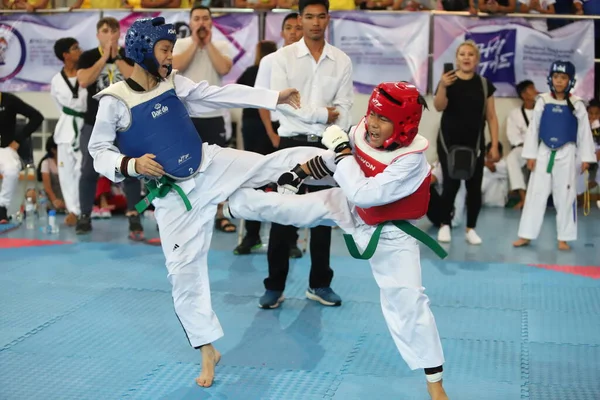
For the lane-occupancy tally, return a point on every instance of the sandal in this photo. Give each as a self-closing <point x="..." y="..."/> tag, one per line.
<point x="225" y="225"/>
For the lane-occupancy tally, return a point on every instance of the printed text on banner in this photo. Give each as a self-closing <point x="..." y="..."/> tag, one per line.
<point x="512" y="51"/>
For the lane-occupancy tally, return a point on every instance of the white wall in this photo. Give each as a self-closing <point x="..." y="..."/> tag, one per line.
<point x="429" y="123"/>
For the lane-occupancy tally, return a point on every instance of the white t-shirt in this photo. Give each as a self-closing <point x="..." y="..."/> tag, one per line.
<point x="49" y="166"/>
<point x="538" y="23"/>
<point x="201" y="68"/>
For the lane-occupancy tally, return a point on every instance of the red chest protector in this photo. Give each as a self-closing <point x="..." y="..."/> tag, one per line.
<point x="374" y="161"/>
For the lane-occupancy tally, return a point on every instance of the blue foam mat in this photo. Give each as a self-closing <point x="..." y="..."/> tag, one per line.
<point x="97" y="321"/>
<point x="4" y="228"/>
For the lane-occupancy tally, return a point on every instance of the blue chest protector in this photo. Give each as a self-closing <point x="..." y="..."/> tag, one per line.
<point x="558" y="126"/>
<point x="162" y="126"/>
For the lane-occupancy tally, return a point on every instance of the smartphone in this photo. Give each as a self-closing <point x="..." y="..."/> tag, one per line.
<point x="448" y="67"/>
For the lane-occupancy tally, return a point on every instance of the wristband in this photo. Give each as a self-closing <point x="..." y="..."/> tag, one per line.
<point x="124" y="168"/>
<point x="131" y="168"/>
<point x="299" y="172"/>
<point x="342" y="146"/>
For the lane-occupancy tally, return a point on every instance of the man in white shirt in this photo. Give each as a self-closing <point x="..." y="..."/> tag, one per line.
<point x="516" y="128"/>
<point x="199" y="58"/>
<point x="323" y="76"/>
<point x="291" y="32"/>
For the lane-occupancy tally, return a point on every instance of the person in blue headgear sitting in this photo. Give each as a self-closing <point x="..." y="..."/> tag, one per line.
<point x="148" y="117"/>
<point x="558" y="146"/>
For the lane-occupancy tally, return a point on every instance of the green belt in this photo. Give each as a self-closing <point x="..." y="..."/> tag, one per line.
<point x="158" y="189"/>
<point x="76" y="114"/>
<point x="404" y="226"/>
<point x="551" y="161"/>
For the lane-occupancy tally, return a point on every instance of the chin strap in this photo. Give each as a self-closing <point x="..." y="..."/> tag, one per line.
<point x="152" y="67"/>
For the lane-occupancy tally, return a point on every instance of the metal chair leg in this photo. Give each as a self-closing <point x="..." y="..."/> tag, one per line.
<point x="26" y="170"/>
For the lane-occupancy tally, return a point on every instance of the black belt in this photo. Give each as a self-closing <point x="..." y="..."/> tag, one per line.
<point x="306" y="138"/>
<point x="519" y="145"/>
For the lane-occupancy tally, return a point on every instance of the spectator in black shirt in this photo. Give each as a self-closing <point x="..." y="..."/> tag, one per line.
<point x="460" y="95"/>
<point x="98" y="69"/>
<point x="10" y="141"/>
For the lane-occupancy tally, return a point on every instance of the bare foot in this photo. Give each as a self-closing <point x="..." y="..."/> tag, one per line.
<point x="71" y="219"/>
<point x="562" y="245"/>
<point x="436" y="391"/>
<point x="210" y="358"/>
<point x="519" y="205"/>
<point x="521" y="242"/>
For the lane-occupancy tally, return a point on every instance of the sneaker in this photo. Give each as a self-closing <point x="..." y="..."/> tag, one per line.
<point x="444" y="234"/>
<point x="271" y="299"/>
<point x="136" y="230"/>
<point x="96" y="213"/>
<point x="3" y="215"/>
<point x="325" y="296"/>
<point x="248" y="244"/>
<point x="84" y="225"/>
<point x="105" y="213"/>
<point x="295" y="252"/>
<point x="472" y="237"/>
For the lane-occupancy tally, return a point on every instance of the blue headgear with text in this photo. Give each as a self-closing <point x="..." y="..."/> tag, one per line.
<point x="141" y="38"/>
<point x="565" y="67"/>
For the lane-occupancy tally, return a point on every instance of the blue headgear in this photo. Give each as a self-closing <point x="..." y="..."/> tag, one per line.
<point x="566" y="67"/>
<point x="141" y="38"/>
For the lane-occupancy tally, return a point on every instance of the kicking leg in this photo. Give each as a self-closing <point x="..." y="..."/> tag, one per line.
<point x="230" y="169"/>
<point x="327" y="207"/>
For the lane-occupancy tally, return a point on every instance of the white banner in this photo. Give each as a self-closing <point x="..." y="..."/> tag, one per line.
<point x="383" y="47"/>
<point x="27" y="60"/>
<point x="240" y="31"/>
<point x="512" y="51"/>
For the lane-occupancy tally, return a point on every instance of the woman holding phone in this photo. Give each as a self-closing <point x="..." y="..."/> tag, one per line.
<point x="467" y="103"/>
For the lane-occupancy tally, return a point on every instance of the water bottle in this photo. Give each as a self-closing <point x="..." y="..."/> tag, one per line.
<point x="43" y="208"/>
<point x="29" y="213"/>
<point x="52" y="225"/>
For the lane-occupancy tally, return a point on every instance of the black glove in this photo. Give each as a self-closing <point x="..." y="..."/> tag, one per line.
<point x="289" y="182"/>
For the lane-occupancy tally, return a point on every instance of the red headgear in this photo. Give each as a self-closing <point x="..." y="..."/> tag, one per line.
<point x="399" y="102"/>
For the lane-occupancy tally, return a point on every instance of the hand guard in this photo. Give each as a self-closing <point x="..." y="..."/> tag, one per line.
<point x="334" y="138"/>
<point x="289" y="182"/>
